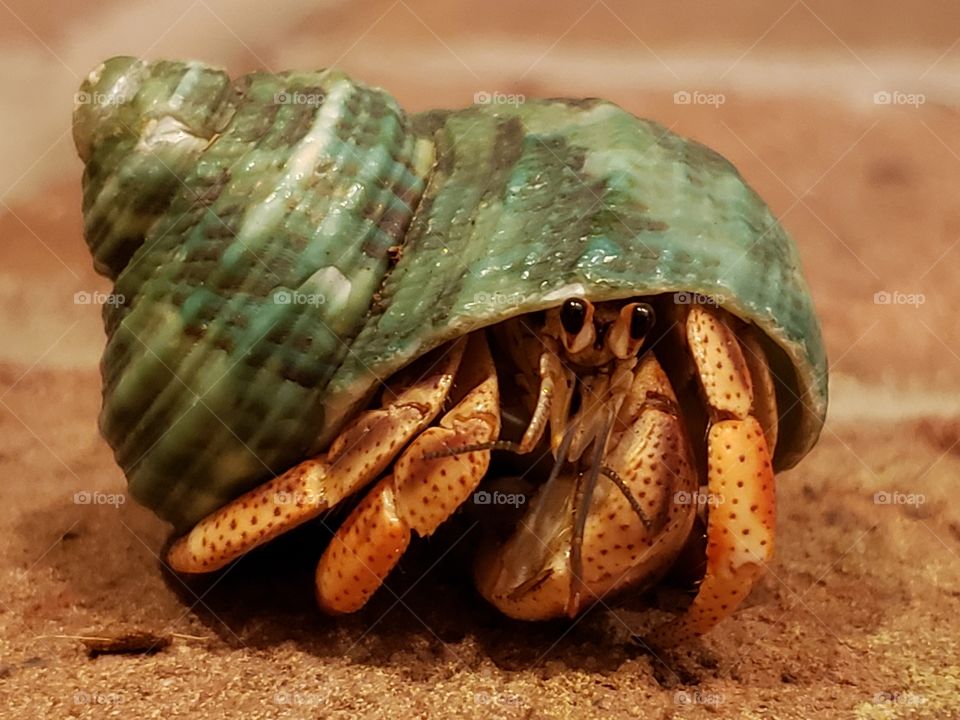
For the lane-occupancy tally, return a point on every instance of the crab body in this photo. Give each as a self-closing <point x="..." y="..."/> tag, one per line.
<point x="324" y="295"/>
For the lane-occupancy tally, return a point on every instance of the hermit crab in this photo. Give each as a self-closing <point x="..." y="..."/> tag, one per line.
<point x="322" y="298"/>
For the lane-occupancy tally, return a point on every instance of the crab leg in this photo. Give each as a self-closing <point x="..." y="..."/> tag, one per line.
<point x="764" y="392"/>
<point x="358" y="455"/>
<point x="741" y="502"/>
<point x="424" y="489"/>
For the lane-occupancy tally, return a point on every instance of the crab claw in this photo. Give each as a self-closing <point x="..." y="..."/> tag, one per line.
<point x="624" y="543"/>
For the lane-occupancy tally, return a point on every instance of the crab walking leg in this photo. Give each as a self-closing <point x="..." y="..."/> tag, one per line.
<point x="422" y="492"/>
<point x="739" y="529"/>
<point x="358" y="455"/>
<point x="741" y="493"/>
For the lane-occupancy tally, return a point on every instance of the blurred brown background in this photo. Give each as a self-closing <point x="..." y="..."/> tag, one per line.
<point x="842" y="115"/>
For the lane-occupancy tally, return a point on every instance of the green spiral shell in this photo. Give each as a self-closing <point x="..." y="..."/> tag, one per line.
<point x="281" y="243"/>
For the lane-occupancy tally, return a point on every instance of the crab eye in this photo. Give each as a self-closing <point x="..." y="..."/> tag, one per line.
<point x="641" y="321"/>
<point x="576" y="319"/>
<point x="572" y="315"/>
<point x="630" y="329"/>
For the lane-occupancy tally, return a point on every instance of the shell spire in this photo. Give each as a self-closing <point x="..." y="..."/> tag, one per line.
<point x="247" y="226"/>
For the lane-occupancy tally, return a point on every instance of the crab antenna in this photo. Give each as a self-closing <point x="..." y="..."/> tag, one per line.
<point x="581" y="511"/>
<point x="628" y="494"/>
<point x="562" y="452"/>
<point x="475" y="447"/>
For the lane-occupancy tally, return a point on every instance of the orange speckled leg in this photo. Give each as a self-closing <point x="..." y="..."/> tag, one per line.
<point x="363" y="552"/>
<point x="422" y="492"/>
<point x="740" y="480"/>
<point x="357" y="456"/>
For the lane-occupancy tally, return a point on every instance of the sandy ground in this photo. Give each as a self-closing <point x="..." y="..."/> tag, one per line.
<point x="857" y="617"/>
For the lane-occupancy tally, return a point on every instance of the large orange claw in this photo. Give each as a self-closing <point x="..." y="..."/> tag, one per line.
<point x="531" y="576"/>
